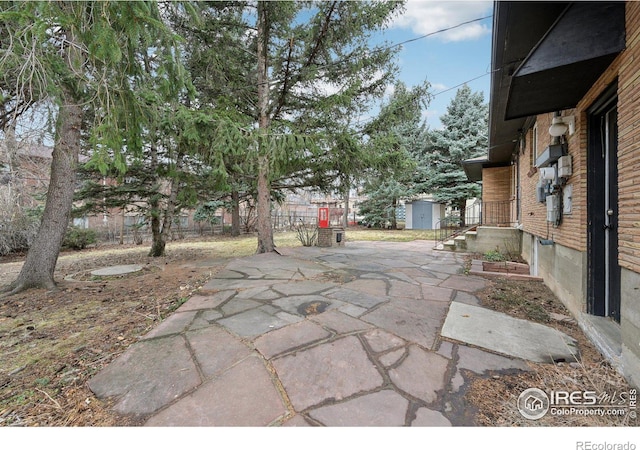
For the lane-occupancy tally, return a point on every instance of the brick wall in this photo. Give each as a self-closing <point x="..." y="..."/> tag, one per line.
<point x="629" y="144"/>
<point x="497" y="194"/>
<point x="572" y="231"/>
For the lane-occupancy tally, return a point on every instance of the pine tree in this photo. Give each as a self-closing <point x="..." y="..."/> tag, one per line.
<point x="394" y="137"/>
<point x="464" y="136"/>
<point x="82" y="61"/>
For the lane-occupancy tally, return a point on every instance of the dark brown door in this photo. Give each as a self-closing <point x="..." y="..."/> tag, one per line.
<point x="602" y="208"/>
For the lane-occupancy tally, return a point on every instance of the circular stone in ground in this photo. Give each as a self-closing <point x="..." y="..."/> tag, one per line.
<point x="116" y="270"/>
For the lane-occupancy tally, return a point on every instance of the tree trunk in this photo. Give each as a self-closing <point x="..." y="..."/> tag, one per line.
<point x="265" y="232"/>
<point x="235" y="213"/>
<point x="394" y="218"/>
<point x="263" y="209"/>
<point x="40" y="264"/>
<point x="345" y="216"/>
<point x="157" y="239"/>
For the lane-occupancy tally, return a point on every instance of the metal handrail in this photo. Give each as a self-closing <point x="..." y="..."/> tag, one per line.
<point x="451" y="226"/>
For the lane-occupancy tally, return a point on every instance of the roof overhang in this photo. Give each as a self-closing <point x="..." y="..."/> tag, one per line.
<point x="545" y="57"/>
<point x="473" y="167"/>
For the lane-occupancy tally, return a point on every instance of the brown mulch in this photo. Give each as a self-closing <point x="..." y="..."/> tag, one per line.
<point x="51" y="343"/>
<point x="495" y="396"/>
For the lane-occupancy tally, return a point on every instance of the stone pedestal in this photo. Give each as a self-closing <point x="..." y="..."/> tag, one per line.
<point x="331" y="237"/>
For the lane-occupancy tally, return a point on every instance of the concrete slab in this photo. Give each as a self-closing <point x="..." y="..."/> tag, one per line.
<point x="507" y="335"/>
<point x="334" y="370"/>
<point x="481" y="362"/>
<point x="116" y="270"/>
<point x="380" y="409"/>
<point x="229" y="400"/>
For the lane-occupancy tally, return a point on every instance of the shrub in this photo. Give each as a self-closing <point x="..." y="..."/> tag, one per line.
<point x="307" y="234"/>
<point x="16" y="235"/>
<point x="79" y="238"/>
<point x="494" y="256"/>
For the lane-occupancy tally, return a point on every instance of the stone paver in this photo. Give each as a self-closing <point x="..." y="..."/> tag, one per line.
<point x="380" y="340"/>
<point x="421" y="374"/>
<point x="339" y="322"/>
<point x="379" y="409"/>
<point x="420" y="326"/>
<point x="349" y="336"/>
<point x="229" y="400"/>
<point x="206" y="301"/>
<point x="214" y="359"/>
<point x="253" y="322"/>
<point x="174" y="324"/>
<point x="429" y="418"/>
<point x="290" y="337"/>
<point x="148" y="376"/>
<point x="335" y="370"/>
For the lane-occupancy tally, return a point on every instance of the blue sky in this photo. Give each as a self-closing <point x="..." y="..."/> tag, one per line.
<point x="445" y="59"/>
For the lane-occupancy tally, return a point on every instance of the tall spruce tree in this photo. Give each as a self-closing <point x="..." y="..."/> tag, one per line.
<point x="464" y="136"/>
<point x="82" y="60"/>
<point x="310" y="60"/>
<point x="394" y="137"/>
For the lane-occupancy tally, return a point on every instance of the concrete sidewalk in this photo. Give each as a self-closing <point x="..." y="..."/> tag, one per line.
<point x="345" y="336"/>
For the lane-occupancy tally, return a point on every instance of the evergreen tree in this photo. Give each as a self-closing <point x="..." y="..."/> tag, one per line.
<point x="394" y="137"/>
<point x="294" y="65"/>
<point x="82" y="60"/>
<point x="464" y="136"/>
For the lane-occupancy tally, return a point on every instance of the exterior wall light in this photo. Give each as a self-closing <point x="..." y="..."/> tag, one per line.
<point x="560" y="126"/>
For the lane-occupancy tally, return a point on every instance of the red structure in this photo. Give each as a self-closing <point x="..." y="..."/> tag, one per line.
<point x="323" y="217"/>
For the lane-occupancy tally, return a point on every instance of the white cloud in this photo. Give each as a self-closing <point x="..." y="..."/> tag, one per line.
<point x="438" y="87"/>
<point x="428" y="16"/>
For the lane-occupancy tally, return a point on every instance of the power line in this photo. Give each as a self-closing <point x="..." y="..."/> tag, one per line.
<point x="439" y="31"/>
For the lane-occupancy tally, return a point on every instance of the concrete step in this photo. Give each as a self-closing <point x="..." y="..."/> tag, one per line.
<point x="460" y="242"/>
<point x="450" y="245"/>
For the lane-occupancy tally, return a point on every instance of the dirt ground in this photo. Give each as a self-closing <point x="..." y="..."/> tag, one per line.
<point x="532" y="300"/>
<point x="51" y="343"/>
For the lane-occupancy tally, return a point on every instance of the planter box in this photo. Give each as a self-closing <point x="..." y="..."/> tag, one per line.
<point x="505" y="267"/>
